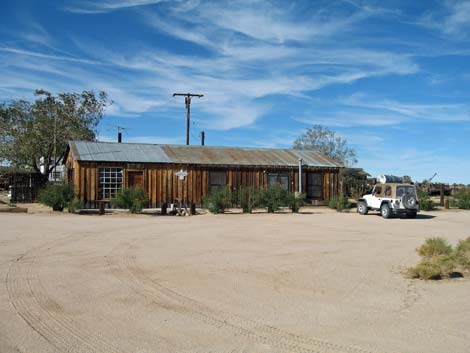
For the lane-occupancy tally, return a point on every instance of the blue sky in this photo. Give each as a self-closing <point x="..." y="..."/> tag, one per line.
<point x="393" y="78"/>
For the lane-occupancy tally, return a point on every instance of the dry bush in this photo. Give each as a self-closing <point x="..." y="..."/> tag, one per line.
<point x="462" y="199"/>
<point x="434" y="247"/>
<point x="437" y="267"/>
<point x="462" y="254"/>
<point x="441" y="260"/>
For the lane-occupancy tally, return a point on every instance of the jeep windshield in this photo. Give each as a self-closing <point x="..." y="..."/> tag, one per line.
<point x="405" y="189"/>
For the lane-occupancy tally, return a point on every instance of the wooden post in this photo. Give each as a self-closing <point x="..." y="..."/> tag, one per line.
<point x="442" y="195"/>
<point x="446" y="204"/>
<point x="102" y="204"/>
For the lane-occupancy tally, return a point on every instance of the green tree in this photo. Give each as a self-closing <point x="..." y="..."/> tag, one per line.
<point x="39" y="130"/>
<point x="324" y="140"/>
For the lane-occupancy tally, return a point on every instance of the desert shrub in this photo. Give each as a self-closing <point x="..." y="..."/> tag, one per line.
<point x="273" y="198"/>
<point x="295" y="201"/>
<point x="433" y="247"/>
<point x="57" y="196"/>
<point x="332" y="203"/>
<point x="132" y="198"/>
<point x="339" y="203"/>
<point x="74" y="205"/>
<point x="462" y="199"/>
<point x="440" y="259"/>
<point x="437" y="267"/>
<point x="462" y="254"/>
<point x="342" y="203"/>
<point x="425" y="202"/>
<point x="463" y="245"/>
<point x="218" y="200"/>
<point x="425" y="270"/>
<point x="248" y="199"/>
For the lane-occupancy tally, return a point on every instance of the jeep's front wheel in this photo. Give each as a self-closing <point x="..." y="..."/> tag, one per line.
<point x="362" y="208"/>
<point x="385" y="210"/>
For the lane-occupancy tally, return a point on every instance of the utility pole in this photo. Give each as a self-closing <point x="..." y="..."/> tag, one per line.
<point x="54" y="170"/>
<point x="187" y="100"/>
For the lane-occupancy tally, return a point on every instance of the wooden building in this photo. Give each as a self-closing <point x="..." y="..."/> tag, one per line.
<point x="98" y="170"/>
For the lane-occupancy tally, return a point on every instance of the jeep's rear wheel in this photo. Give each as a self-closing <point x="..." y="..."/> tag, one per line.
<point x="362" y="208"/>
<point x="385" y="210"/>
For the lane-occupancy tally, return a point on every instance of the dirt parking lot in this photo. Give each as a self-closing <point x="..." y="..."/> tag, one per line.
<point x="317" y="282"/>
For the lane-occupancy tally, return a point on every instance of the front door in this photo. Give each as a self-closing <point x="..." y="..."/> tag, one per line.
<point x="314" y="186"/>
<point x="135" y="178"/>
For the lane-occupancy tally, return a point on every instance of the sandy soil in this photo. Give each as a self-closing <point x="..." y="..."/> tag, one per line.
<point x="318" y="282"/>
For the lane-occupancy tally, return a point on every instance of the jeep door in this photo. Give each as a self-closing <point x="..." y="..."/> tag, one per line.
<point x="376" y="198"/>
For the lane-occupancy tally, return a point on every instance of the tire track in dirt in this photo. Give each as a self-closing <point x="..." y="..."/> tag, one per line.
<point x="412" y="295"/>
<point x="125" y="266"/>
<point x="39" y="310"/>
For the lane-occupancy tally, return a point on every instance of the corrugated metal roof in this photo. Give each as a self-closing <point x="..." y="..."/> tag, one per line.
<point x="206" y="155"/>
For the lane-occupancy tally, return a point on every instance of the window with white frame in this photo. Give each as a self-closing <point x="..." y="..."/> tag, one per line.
<point x="110" y="182"/>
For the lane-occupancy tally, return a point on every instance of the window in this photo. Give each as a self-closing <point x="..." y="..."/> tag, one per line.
<point x="217" y="180"/>
<point x="57" y="175"/>
<point x="377" y="190"/>
<point x="281" y="180"/>
<point x="314" y="185"/>
<point x="110" y="182"/>
<point x="402" y="190"/>
<point x="388" y="191"/>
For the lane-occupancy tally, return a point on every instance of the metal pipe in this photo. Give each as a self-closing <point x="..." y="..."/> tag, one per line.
<point x="300" y="175"/>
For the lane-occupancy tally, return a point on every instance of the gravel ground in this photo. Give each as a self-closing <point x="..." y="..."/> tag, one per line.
<point x="315" y="282"/>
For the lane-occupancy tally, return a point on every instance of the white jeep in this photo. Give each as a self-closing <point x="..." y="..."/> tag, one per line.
<point x="391" y="199"/>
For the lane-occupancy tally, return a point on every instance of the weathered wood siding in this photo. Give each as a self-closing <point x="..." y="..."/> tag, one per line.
<point x="163" y="186"/>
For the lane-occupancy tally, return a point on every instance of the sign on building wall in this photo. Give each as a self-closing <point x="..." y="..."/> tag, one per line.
<point x="181" y="174"/>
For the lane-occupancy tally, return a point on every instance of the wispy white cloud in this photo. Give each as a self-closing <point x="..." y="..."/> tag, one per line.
<point x="36" y="34"/>
<point x="46" y="56"/>
<point x="267" y="22"/>
<point x="91" y="7"/>
<point x="214" y="24"/>
<point x="345" y="118"/>
<point x="459" y="18"/>
<point x="454" y="20"/>
<point x="233" y="87"/>
<point x="441" y="112"/>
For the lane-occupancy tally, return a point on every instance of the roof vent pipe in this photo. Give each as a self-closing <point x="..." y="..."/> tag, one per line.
<point x="300" y="175"/>
<point x="119" y="137"/>
<point x="203" y="137"/>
